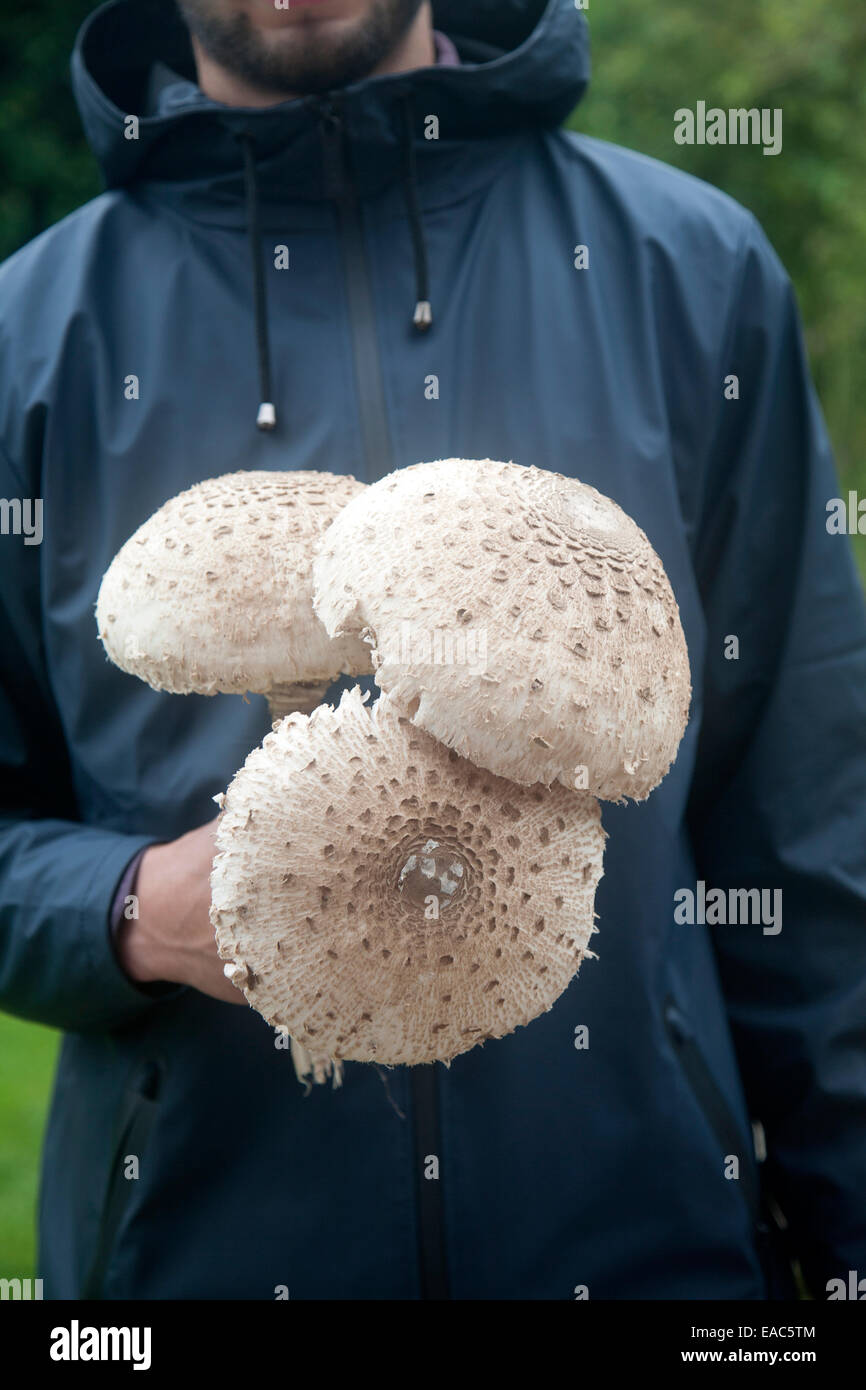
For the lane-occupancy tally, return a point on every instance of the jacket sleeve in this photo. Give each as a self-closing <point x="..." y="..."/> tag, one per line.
<point x="57" y="877"/>
<point x="779" y="796"/>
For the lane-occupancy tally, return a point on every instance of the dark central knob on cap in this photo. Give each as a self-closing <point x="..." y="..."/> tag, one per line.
<point x="432" y="878"/>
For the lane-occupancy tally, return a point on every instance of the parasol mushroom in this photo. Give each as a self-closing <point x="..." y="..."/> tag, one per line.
<point x="565" y="659"/>
<point x="378" y="898"/>
<point x="212" y="593"/>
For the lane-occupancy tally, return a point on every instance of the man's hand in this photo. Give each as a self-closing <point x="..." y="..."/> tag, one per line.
<point x="173" y="939"/>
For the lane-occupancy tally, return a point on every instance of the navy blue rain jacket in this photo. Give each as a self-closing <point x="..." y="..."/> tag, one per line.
<point x="607" y="1168"/>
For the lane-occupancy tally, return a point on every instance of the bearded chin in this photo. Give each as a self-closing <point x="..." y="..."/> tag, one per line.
<point x="297" y="60"/>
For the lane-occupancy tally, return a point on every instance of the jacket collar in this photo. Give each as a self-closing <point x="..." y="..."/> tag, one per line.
<point x="187" y="148"/>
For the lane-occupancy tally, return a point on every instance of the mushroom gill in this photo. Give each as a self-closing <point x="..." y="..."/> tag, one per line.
<point x="378" y="898"/>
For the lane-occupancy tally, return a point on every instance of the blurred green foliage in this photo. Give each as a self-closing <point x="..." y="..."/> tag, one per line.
<point x="810" y="61"/>
<point x="46" y="169"/>
<point x="807" y="59"/>
<point x="29" y="1053"/>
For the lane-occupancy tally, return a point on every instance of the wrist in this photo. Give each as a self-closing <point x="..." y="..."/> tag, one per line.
<point x="138" y="939"/>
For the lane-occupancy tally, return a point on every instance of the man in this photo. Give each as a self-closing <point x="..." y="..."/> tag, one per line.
<point x="356" y="224"/>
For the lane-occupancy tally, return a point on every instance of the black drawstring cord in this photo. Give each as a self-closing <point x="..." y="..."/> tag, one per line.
<point x="423" y="316"/>
<point x="267" y="415"/>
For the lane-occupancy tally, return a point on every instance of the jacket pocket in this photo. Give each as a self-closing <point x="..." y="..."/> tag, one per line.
<point x="715" y="1108"/>
<point x="771" y="1238"/>
<point x="132" y="1129"/>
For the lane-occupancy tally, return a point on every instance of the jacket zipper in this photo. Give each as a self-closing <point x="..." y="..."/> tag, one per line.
<point x="427" y="1134"/>
<point x="377" y="452"/>
<point x="362" y="318"/>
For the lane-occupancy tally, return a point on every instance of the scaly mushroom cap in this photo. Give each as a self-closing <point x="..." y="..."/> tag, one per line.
<point x="213" y="592"/>
<point x="380" y="899"/>
<point x="519" y="617"/>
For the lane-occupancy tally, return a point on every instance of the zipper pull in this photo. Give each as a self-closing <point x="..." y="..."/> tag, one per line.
<point x="329" y="112"/>
<point x="677" y="1024"/>
<point x="333" y="158"/>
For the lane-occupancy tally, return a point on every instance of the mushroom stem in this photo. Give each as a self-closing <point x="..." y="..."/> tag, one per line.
<point x="297" y="697"/>
<point x="312" y="1072"/>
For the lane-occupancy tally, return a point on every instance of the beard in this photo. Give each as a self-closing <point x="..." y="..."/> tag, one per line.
<point x="294" y="60"/>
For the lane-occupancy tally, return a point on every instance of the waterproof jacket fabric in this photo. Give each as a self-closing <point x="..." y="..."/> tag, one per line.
<point x="130" y="368"/>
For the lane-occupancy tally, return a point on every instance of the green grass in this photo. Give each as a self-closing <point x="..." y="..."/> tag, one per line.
<point x="28" y="1054"/>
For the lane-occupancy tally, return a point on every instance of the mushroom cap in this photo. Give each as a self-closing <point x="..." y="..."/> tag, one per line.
<point x="341" y="836"/>
<point x="519" y="617"/>
<point x="213" y="592"/>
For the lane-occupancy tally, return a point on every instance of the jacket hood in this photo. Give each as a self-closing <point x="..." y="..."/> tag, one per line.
<point x="525" y="64"/>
